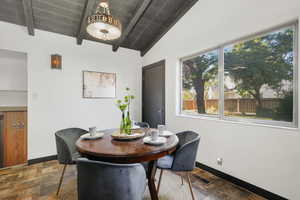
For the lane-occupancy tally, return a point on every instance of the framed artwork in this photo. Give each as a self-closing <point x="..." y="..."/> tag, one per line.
<point x="99" y="84"/>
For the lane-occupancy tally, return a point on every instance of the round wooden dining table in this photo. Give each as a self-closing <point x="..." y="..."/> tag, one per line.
<point x="134" y="151"/>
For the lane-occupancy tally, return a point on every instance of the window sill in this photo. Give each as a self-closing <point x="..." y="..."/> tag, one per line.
<point x="238" y="121"/>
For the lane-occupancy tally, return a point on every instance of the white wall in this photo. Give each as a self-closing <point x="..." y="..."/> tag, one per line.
<point x="13" y="98"/>
<point x="55" y="97"/>
<point x="13" y="78"/>
<point x="13" y="70"/>
<point x="265" y="156"/>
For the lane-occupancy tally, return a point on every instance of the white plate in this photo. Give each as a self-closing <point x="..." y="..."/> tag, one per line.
<point x="166" y="134"/>
<point x="135" y="127"/>
<point x="159" y="141"/>
<point x="88" y="136"/>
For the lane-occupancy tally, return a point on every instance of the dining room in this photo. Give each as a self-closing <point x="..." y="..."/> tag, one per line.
<point x="150" y="99"/>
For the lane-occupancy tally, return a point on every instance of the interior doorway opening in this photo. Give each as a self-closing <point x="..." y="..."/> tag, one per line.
<point x="13" y="108"/>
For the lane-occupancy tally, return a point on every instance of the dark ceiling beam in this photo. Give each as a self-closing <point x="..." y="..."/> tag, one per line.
<point x="28" y="12"/>
<point x="87" y="10"/>
<point x="137" y="16"/>
<point x="185" y="7"/>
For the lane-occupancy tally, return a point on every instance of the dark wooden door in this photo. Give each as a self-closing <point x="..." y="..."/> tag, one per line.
<point x="153" y="111"/>
<point x="15" y="138"/>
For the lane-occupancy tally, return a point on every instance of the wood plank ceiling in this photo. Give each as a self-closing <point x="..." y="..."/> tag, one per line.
<point x="144" y="21"/>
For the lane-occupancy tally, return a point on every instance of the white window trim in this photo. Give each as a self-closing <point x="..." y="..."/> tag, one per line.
<point x="220" y="116"/>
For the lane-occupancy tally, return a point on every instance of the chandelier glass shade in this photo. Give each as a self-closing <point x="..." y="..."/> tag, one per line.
<point x="102" y="25"/>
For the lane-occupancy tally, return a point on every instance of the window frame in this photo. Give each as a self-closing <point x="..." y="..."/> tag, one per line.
<point x="220" y="49"/>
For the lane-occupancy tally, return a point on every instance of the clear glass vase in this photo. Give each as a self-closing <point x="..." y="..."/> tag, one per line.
<point x="128" y="123"/>
<point x="123" y="123"/>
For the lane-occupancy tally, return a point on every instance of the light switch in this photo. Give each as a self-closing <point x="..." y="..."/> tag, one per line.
<point x="35" y="96"/>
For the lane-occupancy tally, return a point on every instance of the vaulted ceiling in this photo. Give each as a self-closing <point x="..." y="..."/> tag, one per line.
<point x="144" y="22"/>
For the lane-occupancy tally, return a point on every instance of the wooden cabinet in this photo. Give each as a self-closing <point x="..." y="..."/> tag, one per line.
<point x="14" y="138"/>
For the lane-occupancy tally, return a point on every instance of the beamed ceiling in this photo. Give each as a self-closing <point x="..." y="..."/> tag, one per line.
<point x="144" y="21"/>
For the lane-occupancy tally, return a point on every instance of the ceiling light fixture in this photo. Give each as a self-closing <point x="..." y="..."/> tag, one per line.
<point x="102" y="25"/>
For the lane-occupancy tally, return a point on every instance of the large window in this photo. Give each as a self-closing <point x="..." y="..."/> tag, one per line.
<point x="200" y="88"/>
<point x="251" y="80"/>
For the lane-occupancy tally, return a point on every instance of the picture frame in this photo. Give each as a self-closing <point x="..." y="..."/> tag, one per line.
<point x="97" y="85"/>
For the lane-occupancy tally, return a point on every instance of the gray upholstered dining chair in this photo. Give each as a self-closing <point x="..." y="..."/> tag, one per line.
<point x="102" y="180"/>
<point x="66" y="149"/>
<point x="142" y="124"/>
<point x="183" y="159"/>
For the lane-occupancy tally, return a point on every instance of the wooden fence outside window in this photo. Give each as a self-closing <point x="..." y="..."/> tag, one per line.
<point x="234" y="105"/>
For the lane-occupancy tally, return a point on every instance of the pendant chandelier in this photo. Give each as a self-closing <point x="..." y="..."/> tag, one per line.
<point x="102" y="25"/>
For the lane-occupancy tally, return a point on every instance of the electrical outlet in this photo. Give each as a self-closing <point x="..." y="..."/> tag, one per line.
<point x="220" y="161"/>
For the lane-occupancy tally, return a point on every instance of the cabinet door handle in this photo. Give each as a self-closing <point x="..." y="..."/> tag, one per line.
<point x="18" y="125"/>
<point x="14" y="125"/>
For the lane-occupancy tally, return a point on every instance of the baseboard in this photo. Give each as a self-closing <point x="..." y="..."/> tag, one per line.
<point x="257" y="190"/>
<point x="42" y="159"/>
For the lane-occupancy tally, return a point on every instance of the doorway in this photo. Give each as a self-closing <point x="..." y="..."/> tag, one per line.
<point x="13" y="108"/>
<point x="153" y="94"/>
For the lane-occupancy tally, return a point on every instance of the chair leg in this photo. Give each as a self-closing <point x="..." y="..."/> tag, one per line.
<point x="61" y="179"/>
<point x="181" y="179"/>
<point x="190" y="185"/>
<point x="159" y="181"/>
